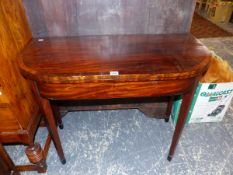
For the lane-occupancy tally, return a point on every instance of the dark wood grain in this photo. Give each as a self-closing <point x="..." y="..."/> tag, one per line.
<point x="108" y="17"/>
<point x="135" y="57"/>
<point x="79" y="68"/>
<point x="109" y="90"/>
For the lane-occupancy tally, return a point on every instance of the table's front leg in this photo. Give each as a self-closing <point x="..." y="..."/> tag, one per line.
<point x="186" y="102"/>
<point x="48" y="112"/>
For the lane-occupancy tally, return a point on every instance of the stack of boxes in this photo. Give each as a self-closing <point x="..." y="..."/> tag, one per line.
<point x="216" y="10"/>
<point x="213" y="94"/>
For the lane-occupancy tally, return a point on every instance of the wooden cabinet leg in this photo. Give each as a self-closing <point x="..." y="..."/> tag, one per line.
<point x="57" y="114"/>
<point x="35" y="155"/>
<point x="186" y="101"/>
<point x="169" y="108"/>
<point x="53" y="128"/>
<point x="7" y="160"/>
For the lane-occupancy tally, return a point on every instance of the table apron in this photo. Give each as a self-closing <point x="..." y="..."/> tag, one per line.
<point x="109" y="90"/>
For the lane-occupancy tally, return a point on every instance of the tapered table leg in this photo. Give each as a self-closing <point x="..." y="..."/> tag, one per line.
<point x="53" y="128"/>
<point x="186" y="101"/>
<point x="169" y="108"/>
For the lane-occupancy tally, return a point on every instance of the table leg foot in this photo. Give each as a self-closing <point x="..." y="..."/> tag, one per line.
<point x="61" y="126"/>
<point x="63" y="161"/>
<point x="166" y="120"/>
<point x="169" y="158"/>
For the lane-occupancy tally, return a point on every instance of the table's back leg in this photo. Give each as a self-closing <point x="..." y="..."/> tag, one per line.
<point x="53" y="128"/>
<point x="57" y="114"/>
<point x="186" y="102"/>
<point x="169" y="108"/>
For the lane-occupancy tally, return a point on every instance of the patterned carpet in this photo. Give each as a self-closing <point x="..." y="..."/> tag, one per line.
<point x="202" y="28"/>
<point x="126" y="142"/>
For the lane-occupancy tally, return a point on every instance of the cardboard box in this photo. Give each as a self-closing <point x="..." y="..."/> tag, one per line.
<point x="210" y="103"/>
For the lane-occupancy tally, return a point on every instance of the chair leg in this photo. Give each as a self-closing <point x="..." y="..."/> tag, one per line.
<point x="186" y="101"/>
<point x="35" y="155"/>
<point x="7" y="160"/>
<point x="52" y="127"/>
<point x="169" y="108"/>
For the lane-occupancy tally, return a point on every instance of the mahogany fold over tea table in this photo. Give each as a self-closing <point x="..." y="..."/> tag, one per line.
<point x="118" y="66"/>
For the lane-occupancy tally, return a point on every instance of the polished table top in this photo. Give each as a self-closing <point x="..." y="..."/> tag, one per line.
<point x="114" y="58"/>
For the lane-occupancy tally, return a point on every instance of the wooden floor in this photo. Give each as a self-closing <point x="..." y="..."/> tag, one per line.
<point x="202" y="28"/>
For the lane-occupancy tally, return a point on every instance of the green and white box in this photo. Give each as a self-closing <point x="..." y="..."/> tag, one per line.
<point x="210" y="103"/>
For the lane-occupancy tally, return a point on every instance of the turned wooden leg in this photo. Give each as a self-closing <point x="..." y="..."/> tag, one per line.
<point x="53" y="128"/>
<point x="7" y="160"/>
<point x="57" y="114"/>
<point x="186" y="101"/>
<point x="35" y="155"/>
<point x="169" y="108"/>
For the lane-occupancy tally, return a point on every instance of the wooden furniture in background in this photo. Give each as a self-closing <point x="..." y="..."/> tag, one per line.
<point x="7" y="167"/>
<point x="19" y="110"/>
<point x="118" y="66"/>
